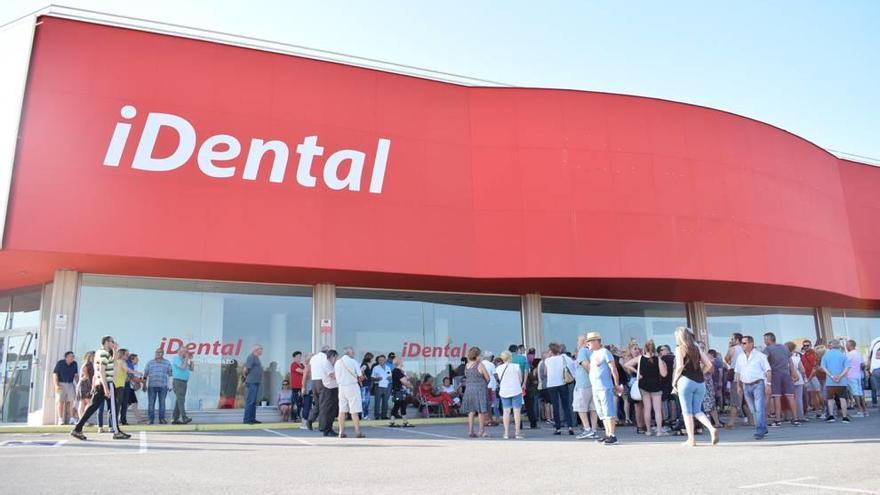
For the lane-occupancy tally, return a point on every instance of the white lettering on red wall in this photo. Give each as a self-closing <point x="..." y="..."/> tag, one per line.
<point x="216" y="348"/>
<point x="220" y="148"/>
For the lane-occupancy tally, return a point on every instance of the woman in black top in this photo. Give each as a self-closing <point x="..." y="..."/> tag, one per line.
<point x="650" y="370"/>
<point x="690" y="364"/>
<point x="532" y="394"/>
<point x="400" y="389"/>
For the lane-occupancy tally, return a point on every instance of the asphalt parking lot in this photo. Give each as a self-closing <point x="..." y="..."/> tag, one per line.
<point x="815" y="458"/>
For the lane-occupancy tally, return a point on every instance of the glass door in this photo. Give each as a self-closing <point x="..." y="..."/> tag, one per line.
<point x="16" y="357"/>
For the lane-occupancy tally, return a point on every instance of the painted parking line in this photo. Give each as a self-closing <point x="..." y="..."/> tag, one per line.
<point x="799" y="483"/>
<point x="143" y="443"/>
<point x="413" y="430"/>
<point x="300" y="440"/>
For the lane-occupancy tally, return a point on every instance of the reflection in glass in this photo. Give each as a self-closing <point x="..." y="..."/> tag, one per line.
<point x="617" y="321"/>
<point x="428" y="330"/>
<point x="219" y="322"/>
<point x="863" y="326"/>
<point x="786" y="323"/>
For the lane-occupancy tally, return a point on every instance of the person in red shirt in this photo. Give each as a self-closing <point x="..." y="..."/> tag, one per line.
<point x="809" y="361"/>
<point x="297" y="368"/>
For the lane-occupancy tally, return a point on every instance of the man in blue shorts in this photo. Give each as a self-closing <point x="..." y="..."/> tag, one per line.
<point x="606" y="386"/>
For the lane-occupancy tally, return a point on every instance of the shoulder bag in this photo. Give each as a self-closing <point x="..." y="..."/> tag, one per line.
<point x="634" y="392"/>
<point x="566" y="373"/>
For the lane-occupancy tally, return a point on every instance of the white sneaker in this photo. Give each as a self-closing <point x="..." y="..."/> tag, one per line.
<point x="303" y="427"/>
<point x="588" y="433"/>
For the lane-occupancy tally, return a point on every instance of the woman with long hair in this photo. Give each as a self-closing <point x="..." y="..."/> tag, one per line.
<point x="401" y="390"/>
<point x="85" y="388"/>
<point x="650" y="369"/>
<point x="475" y="402"/>
<point x="366" y="385"/>
<point x="690" y="365"/>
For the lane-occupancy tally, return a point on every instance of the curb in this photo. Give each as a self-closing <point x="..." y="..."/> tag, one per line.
<point x="192" y="427"/>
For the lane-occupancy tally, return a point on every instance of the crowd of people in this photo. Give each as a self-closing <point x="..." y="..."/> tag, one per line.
<point x="588" y="392"/>
<point x="107" y="382"/>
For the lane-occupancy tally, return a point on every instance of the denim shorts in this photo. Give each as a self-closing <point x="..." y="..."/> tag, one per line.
<point x="855" y="387"/>
<point x="606" y="404"/>
<point x="691" y="395"/>
<point x="515" y="402"/>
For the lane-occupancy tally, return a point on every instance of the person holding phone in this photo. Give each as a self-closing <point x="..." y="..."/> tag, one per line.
<point x="181" y="367"/>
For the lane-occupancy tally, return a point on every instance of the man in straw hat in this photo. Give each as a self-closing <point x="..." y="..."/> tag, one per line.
<point x="606" y="386"/>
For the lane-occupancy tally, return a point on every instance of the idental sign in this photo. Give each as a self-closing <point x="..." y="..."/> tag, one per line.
<point x="216" y="348"/>
<point x="412" y="349"/>
<point x="222" y="148"/>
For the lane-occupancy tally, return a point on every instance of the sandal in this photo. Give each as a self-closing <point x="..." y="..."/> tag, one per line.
<point x="485" y="434"/>
<point x="360" y="435"/>
<point x="343" y="435"/>
<point x="407" y="425"/>
<point x="472" y="435"/>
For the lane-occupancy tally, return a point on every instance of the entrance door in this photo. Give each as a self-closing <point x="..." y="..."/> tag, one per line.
<point x="16" y="359"/>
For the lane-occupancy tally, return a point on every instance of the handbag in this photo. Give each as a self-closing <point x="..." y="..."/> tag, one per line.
<point x="498" y="387"/>
<point x="566" y="373"/>
<point x="634" y="392"/>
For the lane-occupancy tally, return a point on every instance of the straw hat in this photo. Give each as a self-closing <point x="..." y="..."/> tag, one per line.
<point x="593" y="336"/>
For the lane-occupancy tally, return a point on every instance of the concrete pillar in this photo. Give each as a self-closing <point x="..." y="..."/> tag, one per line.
<point x="824" y="329"/>
<point x="696" y="314"/>
<point x="56" y="339"/>
<point x="324" y="316"/>
<point x="532" y="322"/>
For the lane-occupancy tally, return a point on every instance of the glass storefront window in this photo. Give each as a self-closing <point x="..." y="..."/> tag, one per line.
<point x="219" y="322"/>
<point x="427" y="330"/>
<point x="20" y="310"/>
<point x="863" y="326"/>
<point x="25" y="310"/>
<point x="617" y="321"/>
<point x="786" y="323"/>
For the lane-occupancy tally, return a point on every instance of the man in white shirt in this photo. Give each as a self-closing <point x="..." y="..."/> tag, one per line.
<point x="752" y="377"/>
<point x="854" y="378"/>
<point x="381" y="376"/>
<point x="317" y="366"/>
<point x="348" y="377"/>
<point x="489" y="364"/>
<point x="873" y="366"/>
<point x="329" y="394"/>
<point x="556" y="365"/>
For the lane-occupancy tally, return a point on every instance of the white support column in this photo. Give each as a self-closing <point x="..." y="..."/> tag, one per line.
<point x="56" y="339"/>
<point x="532" y="321"/>
<point x="323" y="312"/>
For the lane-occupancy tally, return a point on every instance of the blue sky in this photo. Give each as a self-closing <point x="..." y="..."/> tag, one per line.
<point x="809" y="67"/>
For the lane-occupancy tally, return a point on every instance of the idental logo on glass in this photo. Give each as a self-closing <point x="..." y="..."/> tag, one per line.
<point x="222" y="148"/>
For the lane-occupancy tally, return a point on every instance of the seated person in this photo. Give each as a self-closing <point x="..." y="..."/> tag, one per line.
<point x="449" y="389"/>
<point x="426" y="389"/>
<point x="285" y="399"/>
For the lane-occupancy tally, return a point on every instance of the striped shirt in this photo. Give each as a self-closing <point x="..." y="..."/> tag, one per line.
<point x="104" y="360"/>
